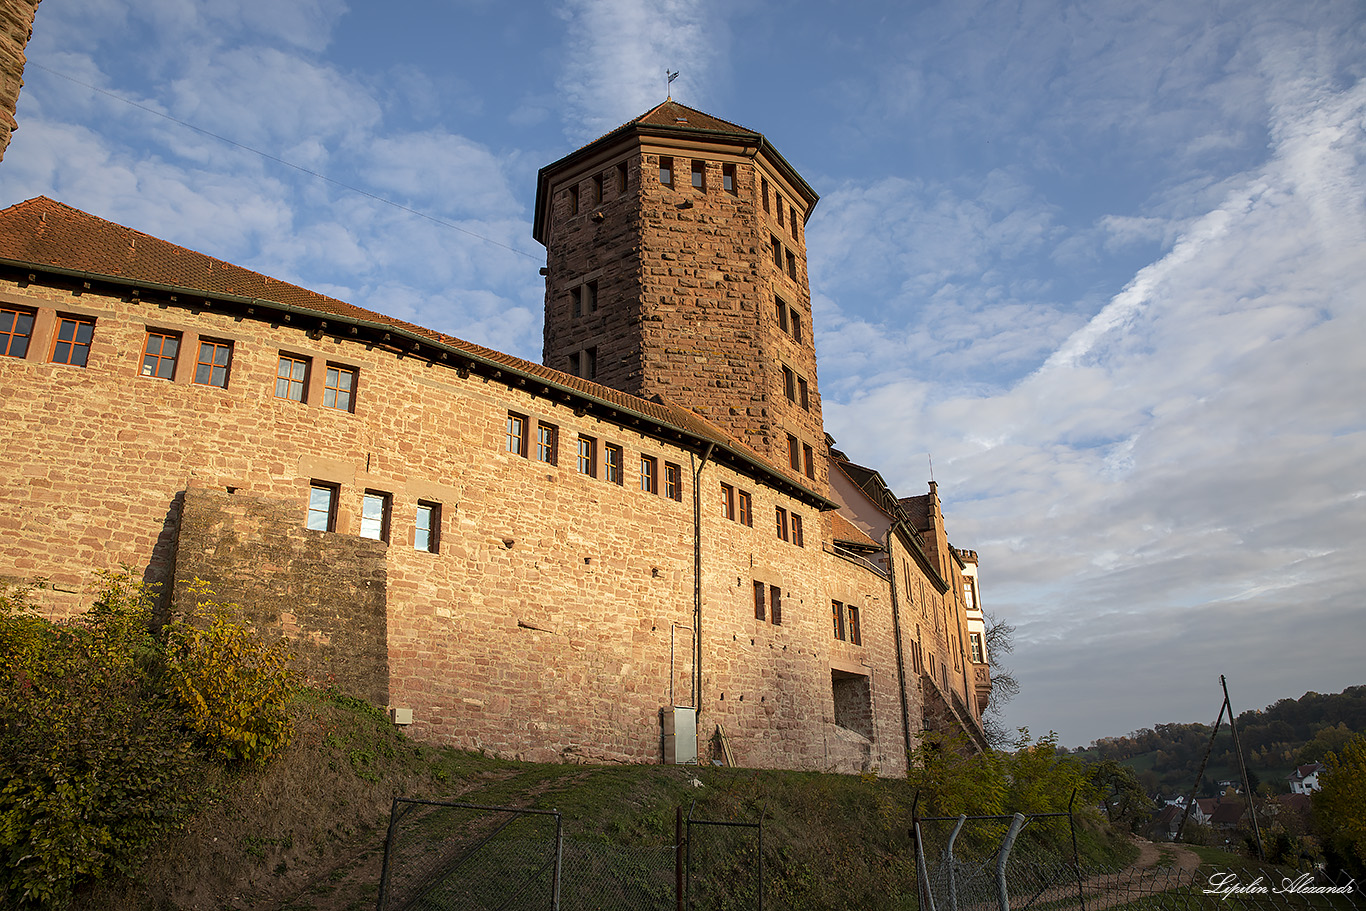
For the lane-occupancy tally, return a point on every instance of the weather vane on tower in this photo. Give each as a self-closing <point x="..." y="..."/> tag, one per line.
<point x="672" y="74"/>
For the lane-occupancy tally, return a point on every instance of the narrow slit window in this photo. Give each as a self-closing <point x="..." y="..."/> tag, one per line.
<point x="547" y="443"/>
<point x="855" y="633"/>
<point x="789" y="384"/>
<point x="614" y="465"/>
<point x="837" y="616"/>
<point x="597" y="189"/>
<point x="796" y="326"/>
<point x="727" y="502"/>
<point x="791" y="266"/>
<point x="794" y="453"/>
<point x="780" y="306"/>
<point x="322" y="506"/>
<point x="573" y="200"/>
<point x="621" y="177"/>
<point x="782" y="522"/>
<point x="763" y="188"/>
<point x="649" y="474"/>
<point x="728" y="179"/>
<point x="775" y="605"/>
<point x="588" y="456"/>
<point x="760" y="602"/>
<point x="797" y="530"/>
<point x="780" y="207"/>
<point x="374" y="516"/>
<point x="803" y="393"/>
<point x="808" y="461"/>
<point x="427" y="527"/>
<point x="746" y="509"/>
<point x="792" y="221"/>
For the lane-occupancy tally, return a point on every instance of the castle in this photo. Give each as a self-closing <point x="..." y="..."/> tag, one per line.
<point x="645" y="549"/>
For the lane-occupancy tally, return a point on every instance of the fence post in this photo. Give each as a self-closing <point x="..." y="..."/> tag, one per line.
<point x="559" y="861"/>
<point x="952" y="864"/>
<point x="761" y="863"/>
<point x="678" y="856"/>
<point x="1002" y="893"/>
<point x="922" y="875"/>
<point x="388" y="847"/>
<point x="1076" y="855"/>
<point x="687" y="874"/>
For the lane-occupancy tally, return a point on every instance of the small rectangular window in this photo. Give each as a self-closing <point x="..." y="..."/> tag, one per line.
<point x="374" y="515"/>
<point x="803" y="393"/>
<point x="789" y="384"/>
<point x="780" y="306"/>
<point x="673" y="481"/>
<point x="779" y="203"/>
<point x="547" y="443"/>
<point x="291" y="378"/>
<point x="590" y="363"/>
<point x="782" y="522"/>
<point x="699" y="174"/>
<point x="763" y="189"/>
<point x="159" y="355"/>
<point x="339" y="388"/>
<point x="791" y="266"/>
<point x="212" y="367"/>
<point x="775" y="605"/>
<point x="855" y="634"/>
<point x="727" y="502"/>
<point x="427" y="527"/>
<point x="590" y="297"/>
<point x="649" y="474"/>
<point x="666" y="171"/>
<point x="837" y="616"/>
<point x="792" y="221"/>
<point x="16" y="330"/>
<point x="588" y="456"/>
<point x="797" y="530"/>
<point x="615" y="466"/>
<point x="796" y="326"/>
<point x="322" y="506"/>
<point x="760" y="602"/>
<point x="777" y="251"/>
<point x="975" y="640"/>
<point x="746" y="509"/>
<point x="794" y="453"/>
<point x="573" y="200"/>
<point x="728" y="179"/>
<point x="808" y="461"/>
<point x="621" y="177"/>
<point x="72" y="344"/>
<point x="597" y="189"/>
<point x="516" y="441"/>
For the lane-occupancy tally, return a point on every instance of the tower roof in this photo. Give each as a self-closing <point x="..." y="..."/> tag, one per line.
<point x="670" y="120"/>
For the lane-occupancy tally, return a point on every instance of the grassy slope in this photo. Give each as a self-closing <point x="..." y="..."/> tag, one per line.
<point x="308" y="832"/>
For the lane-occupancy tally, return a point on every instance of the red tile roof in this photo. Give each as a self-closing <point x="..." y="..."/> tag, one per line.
<point x="44" y="232"/>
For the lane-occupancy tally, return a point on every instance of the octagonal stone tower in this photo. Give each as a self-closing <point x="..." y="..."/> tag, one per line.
<point x="676" y="266"/>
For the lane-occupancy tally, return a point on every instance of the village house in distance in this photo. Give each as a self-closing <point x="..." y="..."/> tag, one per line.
<point x="645" y="549"/>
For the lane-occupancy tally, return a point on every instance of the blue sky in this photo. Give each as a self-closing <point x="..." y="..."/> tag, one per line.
<point x="1104" y="263"/>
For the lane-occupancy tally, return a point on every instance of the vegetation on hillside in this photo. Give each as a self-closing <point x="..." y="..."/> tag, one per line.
<point x="1276" y="739"/>
<point x="185" y="768"/>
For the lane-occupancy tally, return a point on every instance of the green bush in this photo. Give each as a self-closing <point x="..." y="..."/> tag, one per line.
<point x="92" y="754"/>
<point x="234" y="688"/>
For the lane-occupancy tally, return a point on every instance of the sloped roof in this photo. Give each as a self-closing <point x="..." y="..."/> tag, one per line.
<point x="59" y="238"/>
<point x="842" y="530"/>
<point x="918" y="510"/>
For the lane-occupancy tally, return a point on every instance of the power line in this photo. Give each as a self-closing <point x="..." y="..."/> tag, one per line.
<point x="288" y="164"/>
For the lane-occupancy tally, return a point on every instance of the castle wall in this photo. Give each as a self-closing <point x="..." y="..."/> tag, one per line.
<point x="553" y="621"/>
<point x="16" y="27"/>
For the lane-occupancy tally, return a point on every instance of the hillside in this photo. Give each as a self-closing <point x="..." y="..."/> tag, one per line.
<point x="308" y="831"/>
<point x="1275" y="740"/>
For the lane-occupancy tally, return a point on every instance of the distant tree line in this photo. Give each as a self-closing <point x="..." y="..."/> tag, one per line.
<point x="1286" y="734"/>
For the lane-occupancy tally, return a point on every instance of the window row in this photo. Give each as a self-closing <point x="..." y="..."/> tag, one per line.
<point x="801" y="456"/>
<point x="783" y="258"/>
<point x="738" y="506"/>
<point x="768" y="603"/>
<point x="651" y="480"/>
<point x="846" y="618"/>
<point x="698" y="174"/>
<point x="789" y="320"/>
<point x="778" y="205"/>
<point x="597" y="188"/>
<point x="70" y="343"/>
<point x="161" y="355"/>
<point x="795" y="388"/>
<point x="376" y="515"/>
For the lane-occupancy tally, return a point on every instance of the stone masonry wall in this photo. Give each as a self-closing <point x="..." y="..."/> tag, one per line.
<point x="553" y="622"/>
<point x="324" y="592"/>
<point x="16" y="27"/>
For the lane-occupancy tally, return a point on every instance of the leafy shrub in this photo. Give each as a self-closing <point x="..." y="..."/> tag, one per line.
<point x="1340" y="808"/>
<point x="92" y="755"/>
<point x="234" y="688"/>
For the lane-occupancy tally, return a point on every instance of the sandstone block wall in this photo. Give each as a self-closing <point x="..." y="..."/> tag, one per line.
<point x="16" y="27"/>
